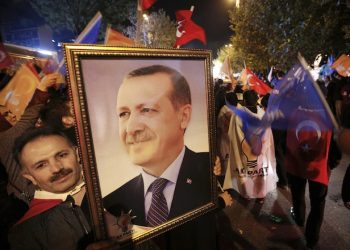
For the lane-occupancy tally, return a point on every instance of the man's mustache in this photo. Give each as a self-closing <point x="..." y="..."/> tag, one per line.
<point x="62" y="173"/>
<point x="140" y="136"/>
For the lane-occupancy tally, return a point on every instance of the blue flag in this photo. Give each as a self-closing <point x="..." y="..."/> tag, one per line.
<point x="295" y="92"/>
<point x="252" y="127"/>
<point x="88" y="36"/>
<point x="326" y="69"/>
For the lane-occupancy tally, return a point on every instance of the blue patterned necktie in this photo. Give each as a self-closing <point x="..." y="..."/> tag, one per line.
<point x="158" y="211"/>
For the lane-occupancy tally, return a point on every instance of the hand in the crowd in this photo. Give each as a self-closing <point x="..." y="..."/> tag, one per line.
<point x="51" y="80"/>
<point x="217" y="166"/>
<point x="227" y="198"/>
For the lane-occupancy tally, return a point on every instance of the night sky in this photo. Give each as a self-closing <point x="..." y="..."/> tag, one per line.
<point x="209" y="14"/>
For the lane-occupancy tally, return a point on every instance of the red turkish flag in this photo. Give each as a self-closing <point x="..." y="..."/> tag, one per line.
<point x="187" y="30"/>
<point x="308" y="141"/>
<point x="256" y="83"/>
<point x="146" y="4"/>
<point x="5" y="59"/>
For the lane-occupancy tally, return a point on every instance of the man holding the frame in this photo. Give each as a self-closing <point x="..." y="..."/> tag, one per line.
<point x="154" y="110"/>
<point x="55" y="219"/>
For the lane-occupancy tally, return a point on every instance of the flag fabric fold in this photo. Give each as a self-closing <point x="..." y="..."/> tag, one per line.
<point x="326" y="69"/>
<point x="146" y="4"/>
<point x="114" y="37"/>
<point x="88" y="36"/>
<point x="342" y="65"/>
<point x="296" y="90"/>
<point x="187" y="30"/>
<point x="252" y="128"/>
<point x="5" y="59"/>
<point x="308" y="141"/>
<point x="19" y="90"/>
<point x="295" y="93"/>
<point x="90" y="32"/>
<point x="254" y="82"/>
<point x="226" y="68"/>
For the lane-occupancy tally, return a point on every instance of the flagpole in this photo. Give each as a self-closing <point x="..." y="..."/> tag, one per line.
<point x="319" y="92"/>
<point x="91" y="23"/>
<point x="108" y="29"/>
<point x="138" y="22"/>
<point x="82" y="34"/>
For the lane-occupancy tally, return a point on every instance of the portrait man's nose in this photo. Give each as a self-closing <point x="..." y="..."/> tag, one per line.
<point x="133" y="124"/>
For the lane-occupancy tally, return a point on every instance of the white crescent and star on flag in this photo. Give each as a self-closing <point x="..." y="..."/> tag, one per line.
<point x="179" y="27"/>
<point x="310" y="124"/>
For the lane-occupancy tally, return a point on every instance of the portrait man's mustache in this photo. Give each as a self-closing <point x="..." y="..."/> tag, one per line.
<point x="140" y="136"/>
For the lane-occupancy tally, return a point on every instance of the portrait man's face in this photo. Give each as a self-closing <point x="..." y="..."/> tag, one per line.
<point x="150" y="127"/>
<point x="50" y="163"/>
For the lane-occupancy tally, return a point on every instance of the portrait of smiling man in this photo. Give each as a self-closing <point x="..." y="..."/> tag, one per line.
<point x="154" y="109"/>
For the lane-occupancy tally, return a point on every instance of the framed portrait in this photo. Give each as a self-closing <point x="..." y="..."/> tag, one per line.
<point x="145" y="126"/>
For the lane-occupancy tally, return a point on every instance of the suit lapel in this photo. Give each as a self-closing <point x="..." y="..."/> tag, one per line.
<point x="183" y="194"/>
<point x="138" y="205"/>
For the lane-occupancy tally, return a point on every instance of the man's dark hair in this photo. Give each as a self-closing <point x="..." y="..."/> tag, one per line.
<point x="231" y="98"/>
<point x="181" y="93"/>
<point x="250" y="100"/>
<point x="51" y="114"/>
<point x="31" y="135"/>
<point x="265" y="100"/>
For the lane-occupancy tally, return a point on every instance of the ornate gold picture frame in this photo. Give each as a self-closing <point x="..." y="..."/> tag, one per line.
<point x="104" y="114"/>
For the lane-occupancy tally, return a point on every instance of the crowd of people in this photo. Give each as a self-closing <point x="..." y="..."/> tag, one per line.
<point x="286" y="158"/>
<point x="43" y="189"/>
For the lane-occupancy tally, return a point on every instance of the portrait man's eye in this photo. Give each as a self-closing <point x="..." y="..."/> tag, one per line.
<point x="123" y="115"/>
<point x="40" y="165"/>
<point x="148" y="110"/>
<point x="63" y="154"/>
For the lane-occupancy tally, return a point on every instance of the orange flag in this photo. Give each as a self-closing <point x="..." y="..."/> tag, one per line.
<point x="342" y="65"/>
<point x="114" y="37"/>
<point x="19" y="91"/>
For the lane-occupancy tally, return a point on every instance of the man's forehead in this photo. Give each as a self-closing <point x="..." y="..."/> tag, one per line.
<point x="41" y="147"/>
<point x="160" y="79"/>
<point x="43" y="141"/>
<point x="144" y="89"/>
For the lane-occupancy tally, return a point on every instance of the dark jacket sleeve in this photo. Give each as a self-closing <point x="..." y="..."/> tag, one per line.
<point x="7" y="139"/>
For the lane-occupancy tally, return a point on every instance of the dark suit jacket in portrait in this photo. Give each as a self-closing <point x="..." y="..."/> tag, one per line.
<point x="192" y="190"/>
